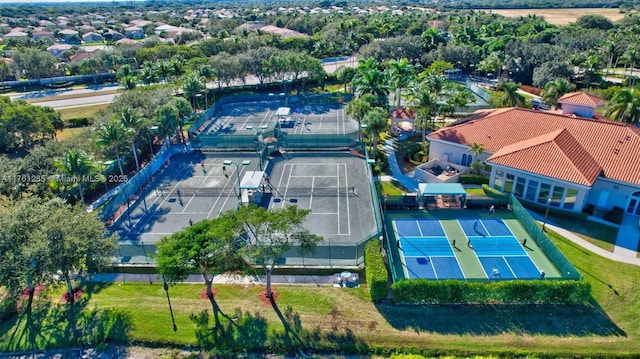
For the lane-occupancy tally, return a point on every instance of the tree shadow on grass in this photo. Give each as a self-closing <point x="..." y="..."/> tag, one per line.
<point x="557" y="320"/>
<point x="243" y="332"/>
<point x="46" y="325"/>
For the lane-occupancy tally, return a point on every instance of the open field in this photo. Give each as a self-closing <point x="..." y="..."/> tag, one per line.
<point x="346" y="319"/>
<point x="560" y="16"/>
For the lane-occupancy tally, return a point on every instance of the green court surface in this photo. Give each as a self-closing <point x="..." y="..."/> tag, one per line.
<point x="498" y="251"/>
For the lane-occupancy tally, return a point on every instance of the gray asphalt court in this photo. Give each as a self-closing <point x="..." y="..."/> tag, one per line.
<point x="197" y="186"/>
<point x="303" y="118"/>
<point x="189" y="188"/>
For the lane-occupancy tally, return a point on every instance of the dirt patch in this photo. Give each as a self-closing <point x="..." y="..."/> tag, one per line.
<point x="559" y="16"/>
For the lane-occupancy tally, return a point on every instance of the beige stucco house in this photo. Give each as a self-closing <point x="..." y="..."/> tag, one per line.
<point x="557" y="158"/>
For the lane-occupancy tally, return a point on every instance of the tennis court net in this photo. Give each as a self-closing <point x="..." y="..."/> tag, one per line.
<point x="289" y="192"/>
<point x="283" y="192"/>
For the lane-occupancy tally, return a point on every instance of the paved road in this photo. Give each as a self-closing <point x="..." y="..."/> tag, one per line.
<point x="102" y="98"/>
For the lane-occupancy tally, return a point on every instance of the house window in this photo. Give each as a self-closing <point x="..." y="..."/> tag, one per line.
<point x="545" y="190"/>
<point x="469" y="160"/>
<point x="520" y="182"/>
<point x="571" y="198"/>
<point x="532" y="188"/>
<point x="497" y="183"/>
<point x="464" y="159"/>
<point x="556" y="197"/>
<point x="508" y="183"/>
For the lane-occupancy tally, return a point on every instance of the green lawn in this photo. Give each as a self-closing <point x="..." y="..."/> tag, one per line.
<point x="329" y="317"/>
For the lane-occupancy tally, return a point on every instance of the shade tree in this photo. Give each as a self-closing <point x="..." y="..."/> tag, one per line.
<point x="269" y="234"/>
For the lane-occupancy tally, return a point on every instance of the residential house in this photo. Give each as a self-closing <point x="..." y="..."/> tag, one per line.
<point x="134" y="32"/>
<point x="69" y="36"/>
<point x="85" y="29"/>
<point x="559" y="159"/>
<point x="39" y="35"/>
<point x="15" y="35"/>
<point x="58" y="49"/>
<point x="92" y="37"/>
<point x="114" y="35"/>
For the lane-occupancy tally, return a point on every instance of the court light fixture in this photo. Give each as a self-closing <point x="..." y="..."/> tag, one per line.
<point x="243" y="163"/>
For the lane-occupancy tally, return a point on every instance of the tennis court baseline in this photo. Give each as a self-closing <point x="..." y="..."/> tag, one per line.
<point x="509" y="267"/>
<point x="421" y="227"/>
<point x="433" y="268"/>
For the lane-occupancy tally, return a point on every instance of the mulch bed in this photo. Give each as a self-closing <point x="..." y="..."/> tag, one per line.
<point x="203" y="293"/>
<point x="264" y="299"/>
<point x="77" y="294"/>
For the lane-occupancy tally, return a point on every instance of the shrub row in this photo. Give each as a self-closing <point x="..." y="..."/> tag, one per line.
<point x="513" y="291"/>
<point x="492" y="192"/>
<point x="474" y="179"/>
<point x="376" y="272"/>
<point x="79" y="122"/>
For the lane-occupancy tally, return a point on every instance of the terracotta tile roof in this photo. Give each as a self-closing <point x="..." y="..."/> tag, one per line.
<point x="581" y="98"/>
<point x="403" y="113"/>
<point x="556" y="154"/>
<point x="614" y="146"/>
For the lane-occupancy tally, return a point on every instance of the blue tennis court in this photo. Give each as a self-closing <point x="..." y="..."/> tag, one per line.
<point x="497" y="246"/>
<point x="423" y="247"/>
<point x="484" y="227"/>
<point x="509" y="267"/>
<point x="421" y="227"/>
<point x="430" y="257"/>
<point x="434" y="268"/>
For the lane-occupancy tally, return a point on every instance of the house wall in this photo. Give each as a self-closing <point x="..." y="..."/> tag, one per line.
<point x="618" y="194"/>
<point x="453" y="152"/>
<point x="581" y="111"/>
<point x="538" y="189"/>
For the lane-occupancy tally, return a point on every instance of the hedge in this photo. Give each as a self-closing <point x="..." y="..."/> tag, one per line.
<point x="492" y="192"/>
<point x="417" y="291"/>
<point x="376" y="272"/>
<point x="474" y="179"/>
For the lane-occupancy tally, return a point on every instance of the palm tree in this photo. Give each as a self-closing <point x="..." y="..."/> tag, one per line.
<point x="377" y="121"/>
<point x="168" y="119"/>
<point x="132" y="121"/>
<point x="511" y="96"/>
<point x="206" y="73"/>
<point x="358" y="109"/>
<point x="128" y="82"/>
<point x="553" y="90"/>
<point x="76" y="164"/>
<point x="624" y="105"/>
<point x="476" y="150"/>
<point x="400" y="73"/>
<point x="163" y="69"/>
<point x="111" y="134"/>
<point x="192" y="87"/>
<point x="147" y="74"/>
<point x="370" y="80"/>
<point x="424" y="101"/>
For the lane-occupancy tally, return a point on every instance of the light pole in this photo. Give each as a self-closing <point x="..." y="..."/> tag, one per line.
<point x="151" y="129"/>
<point x="243" y="163"/>
<point x="546" y="213"/>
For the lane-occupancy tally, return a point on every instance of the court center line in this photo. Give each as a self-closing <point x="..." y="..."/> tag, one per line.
<point x="215" y="203"/>
<point x="338" y="196"/>
<point x="346" y="180"/>
<point x="313" y="180"/>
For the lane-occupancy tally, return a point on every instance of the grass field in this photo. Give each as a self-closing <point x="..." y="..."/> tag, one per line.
<point x="346" y="319"/>
<point x="560" y="16"/>
<point x="80" y="111"/>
